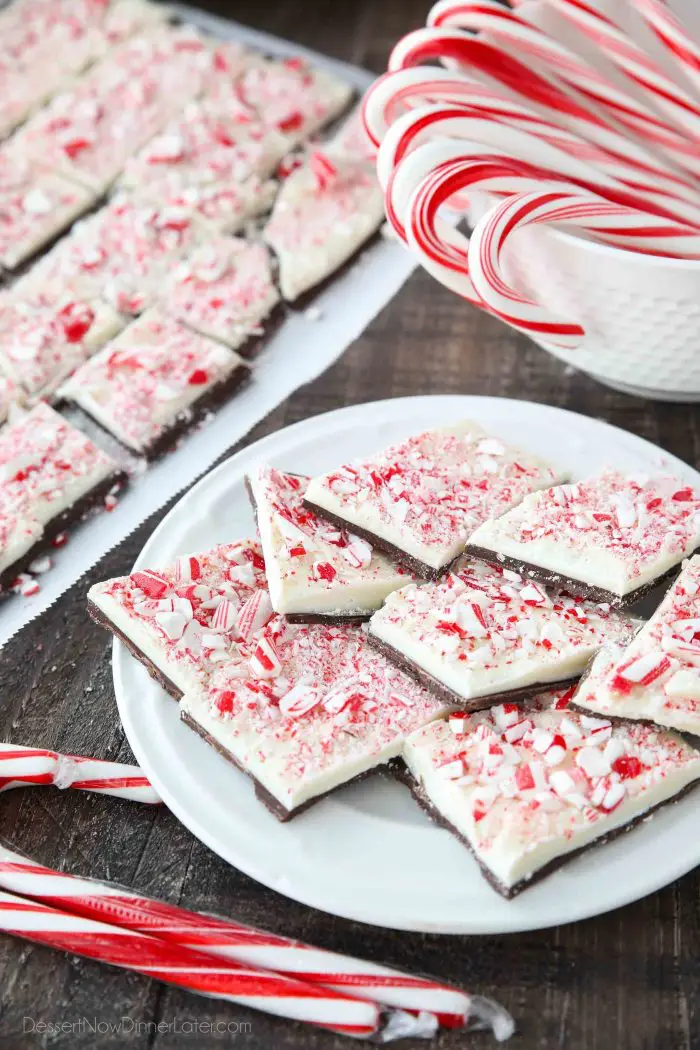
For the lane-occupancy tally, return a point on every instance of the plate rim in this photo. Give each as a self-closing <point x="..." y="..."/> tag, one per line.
<point x="368" y="913"/>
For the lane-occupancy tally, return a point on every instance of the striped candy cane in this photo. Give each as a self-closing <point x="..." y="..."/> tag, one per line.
<point x="635" y="64"/>
<point x="532" y="43"/>
<point x="20" y="766"/>
<point x="603" y="219"/>
<point x="474" y="55"/>
<point x="441" y="121"/>
<point x="192" y="970"/>
<point x="671" y="32"/>
<point x="394" y="93"/>
<point x="244" y="944"/>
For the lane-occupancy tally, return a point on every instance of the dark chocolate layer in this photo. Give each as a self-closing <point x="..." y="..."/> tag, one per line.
<point x="414" y="565"/>
<point x="268" y="800"/>
<point x="91" y="502"/>
<point x="567" y="583"/>
<point x="212" y="399"/>
<point x="155" y="672"/>
<point x="418" y="791"/>
<point x="443" y="692"/>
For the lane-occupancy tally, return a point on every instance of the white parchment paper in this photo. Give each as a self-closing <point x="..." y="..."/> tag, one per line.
<point x="300" y="351"/>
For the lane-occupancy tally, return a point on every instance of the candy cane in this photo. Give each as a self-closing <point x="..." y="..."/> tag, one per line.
<point x="192" y="970"/>
<point x="244" y="944"/>
<point x="454" y="46"/>
<point x="20" y="766"/>
<point x="604" y="219"/>
<point x="394" y="93"/>
<point x="635" y="64"/>
<point x="430" y="122"/>
<point x="671" y="32"/>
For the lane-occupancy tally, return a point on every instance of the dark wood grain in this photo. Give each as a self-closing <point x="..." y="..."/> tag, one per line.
<point x="624" y="981"/>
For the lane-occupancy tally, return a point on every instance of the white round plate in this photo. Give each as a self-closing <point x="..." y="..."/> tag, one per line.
<point x="368" y="852"/>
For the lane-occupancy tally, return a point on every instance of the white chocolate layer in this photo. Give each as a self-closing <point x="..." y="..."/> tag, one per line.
<point x="657" y="677"/>
<point x="426" y="495"/>
<point x="525" y="788"/>
<point x="144" y="381"/>
<point x="479" y="631"/>
<point x="311" y="566"/>
<point x="324" y="212"/>
<point x="612" y="531"/>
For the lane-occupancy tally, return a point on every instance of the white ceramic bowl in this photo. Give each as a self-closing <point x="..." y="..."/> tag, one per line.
<point x="641" y="313"/>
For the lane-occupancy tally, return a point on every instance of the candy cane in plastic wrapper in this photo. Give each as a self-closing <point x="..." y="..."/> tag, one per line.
<point x="224" y="938"/>
<point x="20" y="766"/>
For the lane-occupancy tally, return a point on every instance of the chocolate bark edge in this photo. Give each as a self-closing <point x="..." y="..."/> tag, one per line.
<point x="307" y="298"/>
<point x="557" y="581"/>
<point x="90" y="502"/>
<point x="159" y="676"/>
<point x="213" y="399"/>
<point x="331" y="619"/>
<point x="443" y="692"/>
<point x="270" y="802"/>
<point x="414" y="565"/>
<point x="419" y="793"/>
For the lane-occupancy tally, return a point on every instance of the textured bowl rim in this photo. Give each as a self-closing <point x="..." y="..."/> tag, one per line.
<point x="640" y="259"/>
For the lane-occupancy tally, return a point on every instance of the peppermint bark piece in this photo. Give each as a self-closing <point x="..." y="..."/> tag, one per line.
<point x="290" y="96"/>
<point x="657" y="677"/>
<point x="216" y="158"/>
<point x="304" y="709"/>
<point x="314" y="570"/>
<point x="482" y="634"/>
<point x="526" y="791"/>
<point x="326" y="210"/>
<point x="122" y="253"/>
<point x="35" y="205"/>
<point x="613" y="537"/>
<point x="154" y="381"/>
<point x="225" y="290"/>
<point x="43" y="340"/>
<point x="181" y="621"/>
<point x="51" y="475"/>
<point x="421" y="499"/>
<point x="89" y="131"/>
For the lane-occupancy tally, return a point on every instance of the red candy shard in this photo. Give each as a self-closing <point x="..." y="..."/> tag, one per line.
<point x="150" y="583"/>
<point x="76" y="319"/>
<point x="198" y="377"/>
<point x="627" y="767"/>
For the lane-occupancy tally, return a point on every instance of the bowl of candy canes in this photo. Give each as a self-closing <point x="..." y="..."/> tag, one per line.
<point x="565" y="133"/>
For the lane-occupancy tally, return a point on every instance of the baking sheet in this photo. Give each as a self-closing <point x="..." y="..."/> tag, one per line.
<point x="301" y="349"/>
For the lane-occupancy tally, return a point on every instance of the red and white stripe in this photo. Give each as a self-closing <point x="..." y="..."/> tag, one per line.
<point x="393" y="94"/>
<point x="671" y="32"/>
<point x="249" y="986"/>
<point x="436" y="122"/>
<point x="608" y="221"/>
<point x="635" y="64"/>
<point x="477" y="57"/>
<point x="20" y="766"/>
<point x="233" y="941"/>
<point x="534" y="45"/>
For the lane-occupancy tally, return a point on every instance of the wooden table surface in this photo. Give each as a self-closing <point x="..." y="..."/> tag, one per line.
<point x="624" y="981"/>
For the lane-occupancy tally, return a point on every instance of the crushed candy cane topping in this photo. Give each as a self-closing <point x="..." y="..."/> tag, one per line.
<point x="142" y="382"/>
<point x="312" y="554"/>
<point x="657" y="677"/>
<point x="523" y="777"/>
<point x="635" y="521"/>
<point x="224" y="289"/>
<point x="481" y="620"/>
<point x="430" y="492"/>
<point x="196" y="609"/>
<point x="121" y="253"/>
